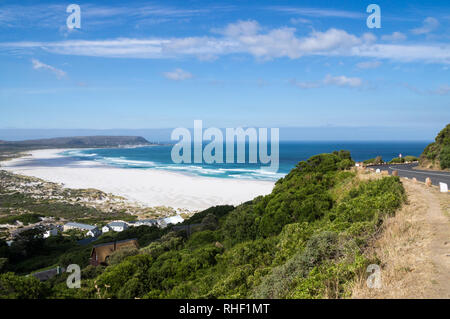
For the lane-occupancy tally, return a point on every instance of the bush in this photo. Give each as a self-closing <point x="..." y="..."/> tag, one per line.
<point x="444" y="157"/>
<point x="119" y="255"/>
<point x="374" y="161"/>
<point x="397" y="160"/>
<point x="410" y="158"/>
<point x="18" y="287"/>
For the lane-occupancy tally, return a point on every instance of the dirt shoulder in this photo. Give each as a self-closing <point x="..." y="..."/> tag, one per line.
<point x="414" y="248"/>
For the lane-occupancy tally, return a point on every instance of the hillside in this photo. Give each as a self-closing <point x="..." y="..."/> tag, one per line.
<point x="304" y="240"/>
<point x="74" y="142"/>
<point x="437" y="154"/>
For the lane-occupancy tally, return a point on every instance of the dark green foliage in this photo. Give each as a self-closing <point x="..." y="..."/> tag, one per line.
<point x="18" y="287"/>
<point x="119" y="255"/>
<point x="397" y="160"/>
<point x="303" y="240"/>
<point x="400" y="160"/>
<point x="25" y="219"/>
<point x="210" y="222"/>
<point x="278" y="284"/>
<point x="410" y="158"/>
<point x="374" y="161"/>
<point x="144" y="234"/>
<point x="439" y="151"/>
<point x="444" y="157"/>
<point x="218" y="211"/>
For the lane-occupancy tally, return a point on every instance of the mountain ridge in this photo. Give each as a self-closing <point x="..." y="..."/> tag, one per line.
<point x="76" y="142"/>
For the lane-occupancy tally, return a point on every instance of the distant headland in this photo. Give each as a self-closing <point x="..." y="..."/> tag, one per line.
<point x="74" y="142"/>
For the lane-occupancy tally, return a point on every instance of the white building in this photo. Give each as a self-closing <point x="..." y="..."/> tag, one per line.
<point x="115" y="226"/>
<point x="92" y="231"/>
<point x="145" y="222"/>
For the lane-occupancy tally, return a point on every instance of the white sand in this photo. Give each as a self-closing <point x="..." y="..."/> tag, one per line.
<point x="149" y="187"/>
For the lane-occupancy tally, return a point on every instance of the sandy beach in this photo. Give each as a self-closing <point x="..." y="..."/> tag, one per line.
<point x="149" y="187"/>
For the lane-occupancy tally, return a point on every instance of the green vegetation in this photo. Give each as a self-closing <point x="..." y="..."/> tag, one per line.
<point x="400" y="160"/>
<point x="52" y="208"/>
<point x="374" y="161"/>
<point x="25" y="219"/>
<point x="8" y="147"/>
<point x="304" y="240"/>
<point x="437" y="154"/>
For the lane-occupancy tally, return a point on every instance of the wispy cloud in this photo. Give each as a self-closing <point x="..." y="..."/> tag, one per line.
<point x="369" y="65"/>
<point x="443" y="89"/>
<point x="54" y="16"/>
<point x="318" y="12"/>
<point x="246" y="37"/>
<point x="429" y="25"/>
<point x="329" y="80"/>
<point x="343" y="81"/>
<point x="177" y="75"/>
<point x="394" y="37"/>
<point x="39" y="65"/>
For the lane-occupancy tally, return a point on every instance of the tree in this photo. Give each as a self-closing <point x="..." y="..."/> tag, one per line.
<point x="18" y="287"/>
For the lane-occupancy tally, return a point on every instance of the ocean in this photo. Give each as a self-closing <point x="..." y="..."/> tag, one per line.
<point x="290" y="153"/>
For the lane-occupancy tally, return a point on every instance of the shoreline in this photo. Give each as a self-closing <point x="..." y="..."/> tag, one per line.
<point x="147" y="187"/>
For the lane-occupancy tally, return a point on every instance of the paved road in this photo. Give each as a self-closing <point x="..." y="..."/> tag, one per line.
<point x="406" y="170"/>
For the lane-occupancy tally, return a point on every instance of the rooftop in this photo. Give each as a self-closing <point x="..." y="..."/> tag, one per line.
<point x="81" y="226"/>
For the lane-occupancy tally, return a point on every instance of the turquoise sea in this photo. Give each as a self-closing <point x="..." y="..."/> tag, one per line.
<point x="290" y="153"/>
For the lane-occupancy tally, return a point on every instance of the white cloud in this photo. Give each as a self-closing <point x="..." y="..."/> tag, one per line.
<point x="300" y="21"/>
<point x="177" y="75"/>
<point x="369" y="65"/>
<point x="394" y="37"/>
<point x="340" y="81"/>
<point x="39" y="65"/>
<point x="246" y="37"/>
<point x="343" y="81"/>
<point x="240" y="28"/>
<point x="318" y="12"/>
<point x="442" y="90"/>
<point x="54" y="16"/>
<point x="429" y="24"/>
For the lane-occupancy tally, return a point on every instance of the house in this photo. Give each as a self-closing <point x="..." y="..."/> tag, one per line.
<point x="92" y="231"/>
<point x="144" y="222"/>
<point x="51" y="232"/>
<point x="100" y="253"/>
<point x="115" y="226"/>
<point x="118" y="226"/>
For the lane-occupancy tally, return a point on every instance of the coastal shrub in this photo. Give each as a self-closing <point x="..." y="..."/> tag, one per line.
<point x="19" y="287"/>
<point x="218" y="211"/>
<point x="25" y="219"/>
<point x="374" y="161"/>
<point x="210" y="222"/>
<point x="410" y="158"/>
<point x="303" y="240"/>
<point x="397" y="160"/>
<point x="201" y="238"/>
<point x="444" y="157"/>
<point x="117" y="256"/>
<point x="438" y="151"/>
<point x="278" y="284"/>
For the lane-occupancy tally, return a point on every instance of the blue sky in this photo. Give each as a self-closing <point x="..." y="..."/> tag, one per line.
<point x="252" y="63"/>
